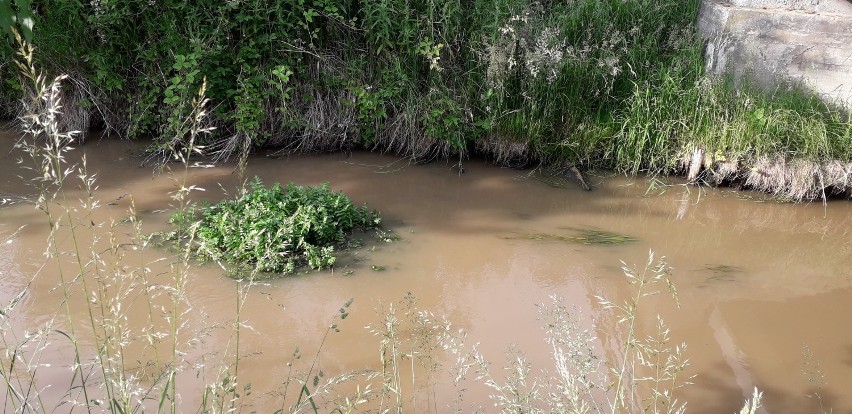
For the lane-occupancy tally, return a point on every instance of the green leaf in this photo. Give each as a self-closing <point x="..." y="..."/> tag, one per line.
<point x="7" y="17"/>
<point x="25" y="18"/>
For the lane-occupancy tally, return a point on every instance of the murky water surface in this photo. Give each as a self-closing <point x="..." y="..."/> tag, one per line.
<point x="764" y="287"/>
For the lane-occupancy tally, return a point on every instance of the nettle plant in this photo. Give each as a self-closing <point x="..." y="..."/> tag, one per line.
<point x="278" y="229"/>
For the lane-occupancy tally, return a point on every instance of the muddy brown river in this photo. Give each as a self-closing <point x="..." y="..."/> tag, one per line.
<point x="765" y="288"/>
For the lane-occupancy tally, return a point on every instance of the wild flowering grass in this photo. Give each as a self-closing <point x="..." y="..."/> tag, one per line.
<point x="97" y="285"/>
<point x="645" y="374"/>
<point x="644" y="377"/>
<point x="88" y="272"/>
<point x="117" y="365"/>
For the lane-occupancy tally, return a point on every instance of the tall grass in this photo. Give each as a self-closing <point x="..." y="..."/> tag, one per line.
<point x="671" y="115"/>
<point x="97" y="285"/>
<point x="643" y="377"/>
<point x="119" y="364"/>
<point x="643" y="373"/>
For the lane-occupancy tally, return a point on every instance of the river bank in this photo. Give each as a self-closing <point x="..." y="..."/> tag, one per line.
<point x="617" y="85"/>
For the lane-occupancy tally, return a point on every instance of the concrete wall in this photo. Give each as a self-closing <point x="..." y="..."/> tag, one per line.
<point x="807" y="41"/>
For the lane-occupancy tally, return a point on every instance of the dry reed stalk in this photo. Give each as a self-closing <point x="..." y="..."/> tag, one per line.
<point x="506" y="151"/>
<point x="799" y="180"/>
<point x="403" y="134"/>
<point x="779" y="175"/>
<point x="328" y="122"/>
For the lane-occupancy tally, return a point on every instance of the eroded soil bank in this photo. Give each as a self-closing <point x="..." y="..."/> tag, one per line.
<point x="761" y="283"/>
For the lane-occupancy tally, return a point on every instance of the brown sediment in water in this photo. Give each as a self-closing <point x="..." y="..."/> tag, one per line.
<point x="757" y="279"/>
<point x="575" y="235"/>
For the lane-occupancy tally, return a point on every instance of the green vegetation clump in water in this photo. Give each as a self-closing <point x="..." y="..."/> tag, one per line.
<point x="279" y="229"/>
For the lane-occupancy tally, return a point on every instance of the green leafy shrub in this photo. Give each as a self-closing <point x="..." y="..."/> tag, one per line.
<point x="279" y="229"/>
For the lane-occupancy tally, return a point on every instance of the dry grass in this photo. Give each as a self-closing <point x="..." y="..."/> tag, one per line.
<point x="779" y="175"/>
<point x="316" y="120"/>
<point x="506" y="151"/>
<point x="82" y="109"/>
<point x="75" y="115"/>
<point x="404" y="134"/>
<point x="313" y="120"/>
<point x="799" y="180"/>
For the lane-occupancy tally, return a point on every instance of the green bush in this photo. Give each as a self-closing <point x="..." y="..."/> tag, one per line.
<point x="280" y="229"/>
<point x="496" y="63"/>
